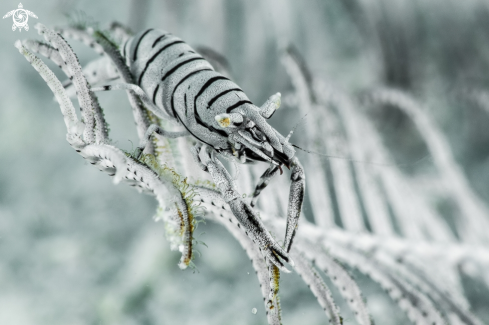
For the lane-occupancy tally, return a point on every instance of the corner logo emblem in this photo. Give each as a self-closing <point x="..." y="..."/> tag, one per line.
<point x="20" y="17"/>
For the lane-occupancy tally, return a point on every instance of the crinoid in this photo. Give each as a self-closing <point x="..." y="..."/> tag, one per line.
<point x="385" y="229"/>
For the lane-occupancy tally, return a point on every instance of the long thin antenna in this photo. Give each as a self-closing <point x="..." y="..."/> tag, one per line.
<point x="355" y="161"/>
<point x="295" y="127"/>
<point x="360" y="161"/>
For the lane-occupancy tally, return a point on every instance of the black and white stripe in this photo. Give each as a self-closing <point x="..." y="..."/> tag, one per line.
<point x="183" y="83"/>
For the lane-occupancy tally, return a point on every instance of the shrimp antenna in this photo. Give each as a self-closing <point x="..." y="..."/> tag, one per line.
<point x="355" y="161"/>
<point x="295" y="127"/>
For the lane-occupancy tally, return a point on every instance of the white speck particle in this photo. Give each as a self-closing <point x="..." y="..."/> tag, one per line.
<point x="254" y="311"/>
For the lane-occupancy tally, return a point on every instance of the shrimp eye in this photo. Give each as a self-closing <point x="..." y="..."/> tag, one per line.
<point x="229" y="120"/>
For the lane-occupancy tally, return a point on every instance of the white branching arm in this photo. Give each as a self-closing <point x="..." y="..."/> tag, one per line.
<point x="92" y="116"/>
<point x="311" y="277"/>
<point x="73" y="125"/>
<point x="171" y="192"/>
<point x="268" y="274"/>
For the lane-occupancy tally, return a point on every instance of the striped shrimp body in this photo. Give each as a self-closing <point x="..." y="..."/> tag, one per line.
<point x="183" y="86"/>
<point x="190" y="91"/>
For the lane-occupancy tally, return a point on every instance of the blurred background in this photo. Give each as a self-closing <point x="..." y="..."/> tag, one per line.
<point x="76" y="249"/>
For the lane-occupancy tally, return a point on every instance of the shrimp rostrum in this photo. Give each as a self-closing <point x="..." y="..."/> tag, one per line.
<point x="174" y="82"/>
